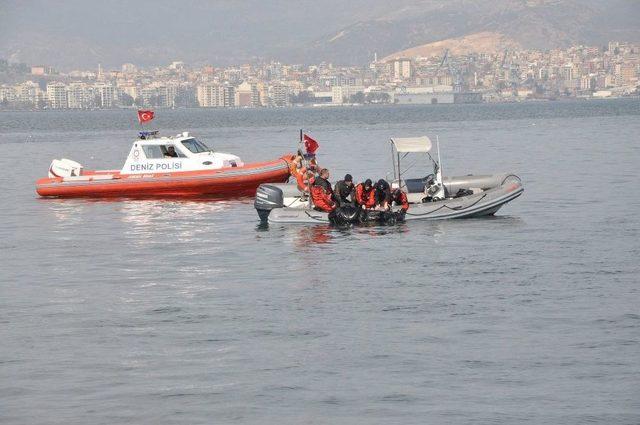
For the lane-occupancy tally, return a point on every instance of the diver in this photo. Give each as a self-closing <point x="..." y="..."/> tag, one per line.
<point x="365" y="195"/>
<point x="344" y="192"/>
<point x="399" y="198"/>
<point x="382" y="195"/>
<point x="321" y="192"/>
<point x="171" y="152"/>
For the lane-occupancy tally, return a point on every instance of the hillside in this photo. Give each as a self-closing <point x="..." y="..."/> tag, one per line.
<point x="483" y="42"/>
<point x="541" y="24"/>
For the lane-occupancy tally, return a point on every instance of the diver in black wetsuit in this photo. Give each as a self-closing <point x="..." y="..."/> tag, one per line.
<point x="383" y="194"/>
<point x="343" y="192"/>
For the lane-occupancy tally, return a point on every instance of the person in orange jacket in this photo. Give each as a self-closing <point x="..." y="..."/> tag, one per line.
<point x="365" y="194"/>
<point x="321" y="193"/>
<point x="398" y="197"/>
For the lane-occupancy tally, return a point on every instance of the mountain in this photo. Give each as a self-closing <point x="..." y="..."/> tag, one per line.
<point x="79" y="34"/>
<point x="482" y="42"/>
<point x="541" y="24"/>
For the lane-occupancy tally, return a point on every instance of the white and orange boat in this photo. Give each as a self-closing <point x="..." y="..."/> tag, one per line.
<point x="179" y="166"/>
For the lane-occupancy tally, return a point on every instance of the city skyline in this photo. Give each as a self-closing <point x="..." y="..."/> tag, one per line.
<point x="508" y="75"/>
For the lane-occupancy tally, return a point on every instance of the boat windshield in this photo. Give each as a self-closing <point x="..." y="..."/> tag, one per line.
<point x="195" y="146"/>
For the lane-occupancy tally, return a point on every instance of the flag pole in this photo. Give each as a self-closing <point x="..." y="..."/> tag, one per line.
<point x="300" y="143"/>
<point x="305" y="164"/>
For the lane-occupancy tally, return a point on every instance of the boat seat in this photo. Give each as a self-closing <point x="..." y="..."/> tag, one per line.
<point x="414" y="185"/>
<point x="415" y="198"/>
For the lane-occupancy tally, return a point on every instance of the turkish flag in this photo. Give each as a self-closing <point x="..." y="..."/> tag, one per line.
<point x="310" y="145"/>
<point x="144" y="116"/>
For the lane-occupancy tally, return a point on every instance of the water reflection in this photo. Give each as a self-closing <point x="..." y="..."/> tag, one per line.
<point x="66" y="211"/>
<point x="314" y="235"/>
<point x="182" y="221"/>
<point x="303" y="237"/>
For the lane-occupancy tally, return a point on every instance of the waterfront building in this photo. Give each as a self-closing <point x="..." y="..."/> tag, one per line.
<point x="343" y="94"/>
<point x="7" y="94"/>
<point x="29" y="92"/>
<point x="213" y="95"/>
<point x="244" y="95"/>
<point x="57" y="95"/>
<point x="79" y="96"/>
<point x="106" y="95"/>
<point x="279" y="95"/>
<point x="130" y="90"/>
<point x="567" y="73"/>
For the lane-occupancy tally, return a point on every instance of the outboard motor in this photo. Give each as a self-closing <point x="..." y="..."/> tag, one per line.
<point x="268" y="197"/>
<point x="64" y="168"/>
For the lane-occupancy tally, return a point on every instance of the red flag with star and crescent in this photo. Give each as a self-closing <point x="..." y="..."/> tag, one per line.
<point x="310" y="145"/>
<point x="144" y="116"/>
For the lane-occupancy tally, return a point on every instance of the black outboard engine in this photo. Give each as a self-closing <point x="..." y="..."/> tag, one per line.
<point x="268" y="197"/>
<point x="342" y="216"/>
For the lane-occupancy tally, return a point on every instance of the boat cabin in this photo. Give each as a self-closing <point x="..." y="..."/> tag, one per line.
<point x="154" y="154"/>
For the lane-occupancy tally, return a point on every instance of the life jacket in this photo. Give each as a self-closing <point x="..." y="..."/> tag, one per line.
<point x="364" y="197"/>
<point x="401" y="199"/>
<point x="302" y="181"/>
<point x="322" y="199"/>
<point x="299" y="175"/>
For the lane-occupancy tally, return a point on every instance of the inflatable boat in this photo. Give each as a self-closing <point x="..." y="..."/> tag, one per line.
<point x="430" y="198"/>
<point x="179" y="166"/>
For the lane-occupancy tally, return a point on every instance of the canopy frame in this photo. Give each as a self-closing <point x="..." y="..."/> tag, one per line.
<point x="407" y="145"/>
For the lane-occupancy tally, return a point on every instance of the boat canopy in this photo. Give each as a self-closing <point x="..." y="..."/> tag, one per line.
<point x="411" y="144"/>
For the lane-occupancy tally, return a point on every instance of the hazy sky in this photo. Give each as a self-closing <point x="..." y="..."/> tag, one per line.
<point x="66" y="31"/>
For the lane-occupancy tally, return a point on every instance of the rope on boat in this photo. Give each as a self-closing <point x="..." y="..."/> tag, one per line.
<point x="310" y="216"/>
<point x="448" y="207"/>
<point x="509" y="175"/>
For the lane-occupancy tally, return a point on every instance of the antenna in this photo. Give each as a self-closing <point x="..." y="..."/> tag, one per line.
<point x="439" y="176"/>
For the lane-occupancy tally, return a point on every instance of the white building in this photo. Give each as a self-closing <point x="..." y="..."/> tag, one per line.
<point x="29" y="92"/>
<point x="215" y="96"/>
<point x="342" y="94"/>
<point x="57" y="95"/>
<point x="167" y="96"/>
<point x="130" y="90"/>
<point x="79" y="96"/>
<point x="279" y="95"/>
<point x="402" y="68"/>
<point x="106" y="94"/>
<point x="7" y="94"/>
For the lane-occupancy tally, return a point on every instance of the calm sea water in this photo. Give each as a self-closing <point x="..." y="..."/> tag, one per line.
<point x="165" y="312"/>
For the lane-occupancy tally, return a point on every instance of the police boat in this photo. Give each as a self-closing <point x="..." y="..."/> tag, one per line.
<point x="178" y="166"/>
<point x="432" y="197"/>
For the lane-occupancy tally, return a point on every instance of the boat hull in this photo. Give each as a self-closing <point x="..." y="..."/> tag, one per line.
<point x="223" y="183"/>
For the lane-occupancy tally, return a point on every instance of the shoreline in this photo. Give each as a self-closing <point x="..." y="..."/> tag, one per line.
<point x="337" y="106"/>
